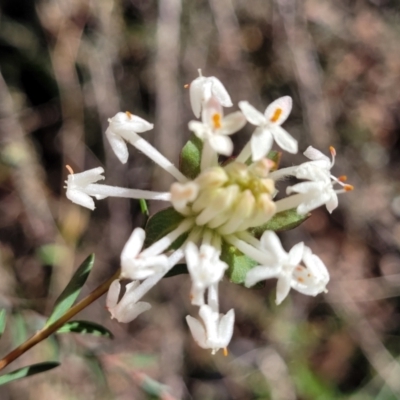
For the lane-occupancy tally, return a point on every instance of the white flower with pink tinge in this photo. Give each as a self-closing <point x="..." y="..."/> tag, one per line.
<point x="311" y="279"/>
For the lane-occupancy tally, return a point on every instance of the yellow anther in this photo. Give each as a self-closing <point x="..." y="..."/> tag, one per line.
<point x="277" y="114"/>
<point x="225" y="351"/>
<point x="186" y="86"/>
<point x="216" y="119"/>
<point x="332" y="150"/>
<point x="128" y="114"/>
<point x="70" y="170"/>
<point x="348" y="188"/>
<point x="342" y="178"/>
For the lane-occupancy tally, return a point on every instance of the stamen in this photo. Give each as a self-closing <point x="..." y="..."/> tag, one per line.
<point x="70" y="170"/>
<point x="186" y="86"/>
<point x="225" y="351"/>
<point x="216" y="119"/>
<point x="333" y="151"/>
<point x="342" y="178"/>
<point x="277" y="114"/>
<point x="348" y="188"/>
<point x="128" y="114"/>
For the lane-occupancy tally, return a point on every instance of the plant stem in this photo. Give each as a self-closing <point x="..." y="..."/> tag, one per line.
<point x="47" y="331"/>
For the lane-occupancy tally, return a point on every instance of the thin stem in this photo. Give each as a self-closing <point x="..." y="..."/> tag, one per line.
<point x="47" y="331"/>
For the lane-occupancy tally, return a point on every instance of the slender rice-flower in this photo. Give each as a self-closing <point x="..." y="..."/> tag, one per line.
<point x="218" y="211"/>
<point x="311" y="279"/>
<point x="268" y="128"/>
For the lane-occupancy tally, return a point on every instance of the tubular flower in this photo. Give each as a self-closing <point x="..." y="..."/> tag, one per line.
<point x="218" y="211"/>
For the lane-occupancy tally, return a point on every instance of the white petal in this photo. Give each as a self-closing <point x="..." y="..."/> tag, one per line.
<point x="133" y="245"/>
<point x="270" y="242"/>
<point x="282" y="288"/>
<point x="86" y="177"/>
<point x="219" y="91"/>
<point x="198" y="128"/>
<point x="197" y="330"/>
<point x="113" y="294"/>
<point x="296" y="254"/>
<point x="80" y="198"/>
<point x="278" y="111"/>
<point x="261" y="143"/>
<point x="130" y="311"/>
<point x="316" y="155"/>
<point x="312" y="203"/>
<point x="225" y="328"/>
<point x="232" y="123"/>
<point x="252" y="114"/>
<point x="118" y="145"/>
<point x="221" y="144"/>
<point x="306" y="187"/>
<point x="127" y="122"/>
<point x="333" y="202"/>
<point x="261" y="273"/>
<point x="196" y="95"/>
<point x="284" y="140"/>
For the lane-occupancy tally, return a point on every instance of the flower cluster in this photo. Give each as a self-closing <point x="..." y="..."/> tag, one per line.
<point x="222" y="206"/>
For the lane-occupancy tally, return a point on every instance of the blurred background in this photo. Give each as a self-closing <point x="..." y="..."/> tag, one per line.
<point x="68" y="65"/>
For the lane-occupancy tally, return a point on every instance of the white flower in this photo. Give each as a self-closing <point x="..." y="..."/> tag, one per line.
<point x="214" y="331"/>
<point x="205" y="269"/>
<point x="215" y="128"/>
<point x="124" y="127"/>
<point x="203" y="88"/>
<point x="128" y="308"/>
<point x="133" y="266"/>
<point x="77" y="184"/>
<point x="310" y="280"/>
<point x="269" y="127"/>
<point x="315" y="194"/>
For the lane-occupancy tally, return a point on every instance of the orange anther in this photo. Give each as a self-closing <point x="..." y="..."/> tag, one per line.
<point x="186" y="86"/>
<point x="276" y="115"/>
<point x="216" y="118"/>
<point x="225" y="351"/>
<point x="332" y="150"/>
<point x="128" y="114"/>
<point x="70" y="170"/>
<point x="342" y="178"/>
<point x="348" y="188"/>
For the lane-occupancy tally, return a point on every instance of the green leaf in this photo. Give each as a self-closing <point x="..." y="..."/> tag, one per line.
<point x="282" y="221"/>
<point x="72" y="290"/>
<point x="2" y="322"/>
<point x="178" y="269"/>
<point x="28" y="371"/>
<point x="238" y="263"/>
<point x="189" y="163"/>
<point x="160" y="224"/>
<point x="85" y="328"/>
